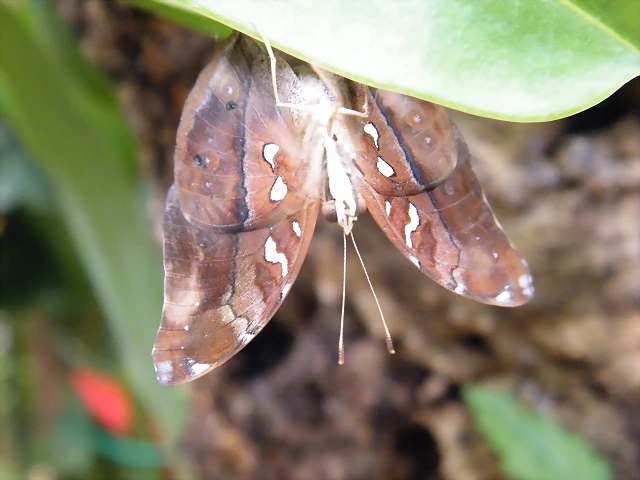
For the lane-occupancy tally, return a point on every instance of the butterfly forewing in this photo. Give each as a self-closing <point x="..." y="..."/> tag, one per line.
<point x="221" y="289"/>
<point x="409" y="145"/>
<point x="238" y="164"/>
<point x="452" y="235"/>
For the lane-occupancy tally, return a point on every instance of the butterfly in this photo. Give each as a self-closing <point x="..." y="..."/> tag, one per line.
<point x="252" y="174"/>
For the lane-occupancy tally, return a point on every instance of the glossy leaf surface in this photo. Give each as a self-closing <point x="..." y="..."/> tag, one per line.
<point x="522" y="61"/>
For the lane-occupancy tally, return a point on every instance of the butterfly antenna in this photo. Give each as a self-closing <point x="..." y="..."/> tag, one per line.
<point x="387" y="334"/>
<point x="344" y="291"/>
<point x="272" y="59"/>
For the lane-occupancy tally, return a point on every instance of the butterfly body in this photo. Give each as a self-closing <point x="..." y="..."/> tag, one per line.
<point x="251" y="178"/>
<point x="328" y="146"/>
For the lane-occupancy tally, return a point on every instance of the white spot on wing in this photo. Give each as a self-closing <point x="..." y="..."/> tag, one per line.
<point x="387" y="207"/>
<point x="198" y="368"/>
<point x="164" y="371"/>
<point x="225" y="314"/>
<point x="278" y="190"/>
<point x="186" y="328"/>
<point x="241" y="327"/>
<point x="371" y="130"/>
<point x="285" y="289"/>
<point x="460" y="289"/>
<point x="226" y="296"/>
<point x="246" y="337"/>
<point x="269" y="152"/>
<point x="449" y="188"/>
<point x="415" y="261"/>
<point x="272" y="255"/>
<point x="524" y="281"/>
<point x="412" y="226"/>
<point x="504" y="296"/>
<point x="384" y="168"/>
<point x="296" y="228"/>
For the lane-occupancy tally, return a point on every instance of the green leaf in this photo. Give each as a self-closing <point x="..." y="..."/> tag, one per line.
<point x="184" y="17"/>
<point x="66" y="446"/>
<point x="73" y="131"/>
<point x="529" y="60"/>
<point x="126" y="451"/>
<point x="9" y="472"/>
<point x="21" y="183"/>
<point x="531" y="446"/>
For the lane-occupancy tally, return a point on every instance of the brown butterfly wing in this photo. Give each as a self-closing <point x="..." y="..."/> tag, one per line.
<point x="221" y="289"/>
<point x="409" y="144"/>
<point x="452" y="235"/>
<point x="240" y="216"/>
<point x="238" y="162"/>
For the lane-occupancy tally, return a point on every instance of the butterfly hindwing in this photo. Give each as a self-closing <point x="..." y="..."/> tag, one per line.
<point x="221" y="289"/>
<point x="407" y="144"/>
<point x="452" y="235"/>
<point x="237" y="163"/>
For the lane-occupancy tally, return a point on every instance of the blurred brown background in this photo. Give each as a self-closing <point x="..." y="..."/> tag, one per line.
<point x="568" y="194"/>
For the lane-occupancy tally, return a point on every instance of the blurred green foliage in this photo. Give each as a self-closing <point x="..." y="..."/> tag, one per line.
<point x="530" y="445"/>
<point x="83" y="177"/>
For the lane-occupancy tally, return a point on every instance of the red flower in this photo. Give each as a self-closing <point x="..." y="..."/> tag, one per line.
<point x="105" y="398"/>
